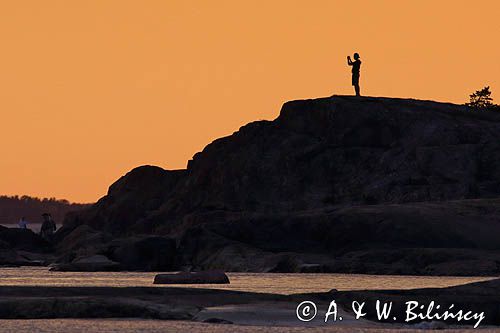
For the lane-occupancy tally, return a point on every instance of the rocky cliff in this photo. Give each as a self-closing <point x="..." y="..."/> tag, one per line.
<point x="332" y="184"/>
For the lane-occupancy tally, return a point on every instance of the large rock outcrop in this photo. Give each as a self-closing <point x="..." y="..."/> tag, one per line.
<point x="323" y="186"/>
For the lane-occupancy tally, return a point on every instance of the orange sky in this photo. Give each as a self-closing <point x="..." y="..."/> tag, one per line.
<point x="92" y="88"/>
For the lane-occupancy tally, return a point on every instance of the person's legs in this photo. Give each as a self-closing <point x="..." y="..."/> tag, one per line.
<point x="355" y="83"/>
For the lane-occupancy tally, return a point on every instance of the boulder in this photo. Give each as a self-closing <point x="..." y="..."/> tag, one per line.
<point x="12" y="258"/>
<point x="287" y="264"/>
<point x="205" y="277"/>
<point x="95" y="263"/>
<point x="84" y="239"/>
<point x="150" y="253"/>
<point x="139" y="253"/>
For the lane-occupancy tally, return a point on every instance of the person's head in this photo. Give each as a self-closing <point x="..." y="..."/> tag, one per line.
<point x="356" y="56"/>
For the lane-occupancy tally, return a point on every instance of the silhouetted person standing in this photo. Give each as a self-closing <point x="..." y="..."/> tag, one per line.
<point x="48" y="227"/>
<point x="356" y="64"/>
<point x="23" y="224"/>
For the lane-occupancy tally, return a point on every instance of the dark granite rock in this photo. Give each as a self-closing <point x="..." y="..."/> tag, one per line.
<point x="94" y="263"/>
<point x="144" y="253"/>
<point x="84" y="240"/>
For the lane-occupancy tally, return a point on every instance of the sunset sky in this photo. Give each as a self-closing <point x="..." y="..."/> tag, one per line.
<point x="90" y="89"/>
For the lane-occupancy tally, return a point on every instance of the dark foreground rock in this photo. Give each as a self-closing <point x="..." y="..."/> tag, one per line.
<point x="339" y="184"/>
<point x="187" y="304"/>
<point x="480" y="297"/>
<point x="94" y="307"/>
<point x="110" y="302"/>
<point x="206" y="277"/>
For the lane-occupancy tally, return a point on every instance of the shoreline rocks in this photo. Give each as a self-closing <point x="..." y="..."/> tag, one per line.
<point x="23" y="247"/>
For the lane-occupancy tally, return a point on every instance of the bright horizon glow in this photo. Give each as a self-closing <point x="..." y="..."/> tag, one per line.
<point x="91" y="89"/>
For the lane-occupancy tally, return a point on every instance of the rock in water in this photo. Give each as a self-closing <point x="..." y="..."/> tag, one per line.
<point x="205" y="277"/>
<point x="218" y="321"/>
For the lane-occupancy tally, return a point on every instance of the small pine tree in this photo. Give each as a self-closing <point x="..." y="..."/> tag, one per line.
<point x="481" y="100"/>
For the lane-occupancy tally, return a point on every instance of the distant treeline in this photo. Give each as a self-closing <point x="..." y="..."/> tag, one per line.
<point x="12" y="208"/>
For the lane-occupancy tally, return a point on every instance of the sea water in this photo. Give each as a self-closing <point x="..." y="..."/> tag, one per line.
<point x="275" y="283"/>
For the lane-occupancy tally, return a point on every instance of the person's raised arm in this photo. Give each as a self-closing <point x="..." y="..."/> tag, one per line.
<point x="349" y="62"/>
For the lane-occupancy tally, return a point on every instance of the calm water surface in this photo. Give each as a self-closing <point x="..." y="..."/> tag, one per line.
<point x="254" y="282"/>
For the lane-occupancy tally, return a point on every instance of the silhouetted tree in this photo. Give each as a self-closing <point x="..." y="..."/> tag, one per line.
<point x="481" y="100"/>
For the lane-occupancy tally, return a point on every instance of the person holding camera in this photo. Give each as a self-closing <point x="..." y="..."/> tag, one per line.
<point x="356" y="64"/>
